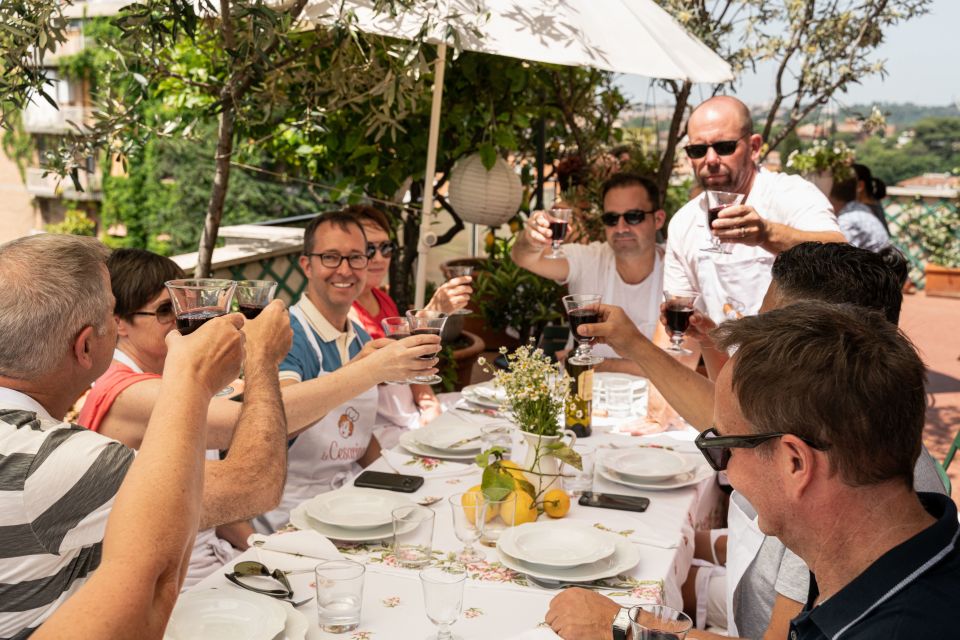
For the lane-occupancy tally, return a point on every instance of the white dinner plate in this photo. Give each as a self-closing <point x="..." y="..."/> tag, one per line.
<point x="297" y="624"/>
<point x="699" y="473"/>
<point x="409" y="442"/>
<point x="556" y="544"/>
<point x="649" y="464"/>
<point x="447" y="430"/>
<point x="220" y="614"/>
<point x="625" y="557"/>
<point x="484" y="394"/>
<point x="355" y="508"/>
<point x="302" y="520"/>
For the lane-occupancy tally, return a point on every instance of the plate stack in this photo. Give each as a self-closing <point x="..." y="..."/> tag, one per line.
<point x="451" y="439"/>
<point x="350" y="514"/>
<point x="653" y="469"/>
<point x="228" y="614"/>
<point x="565" y="551"/>
<point x="484" y="394"/>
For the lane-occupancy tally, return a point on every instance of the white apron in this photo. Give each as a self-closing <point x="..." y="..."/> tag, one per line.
<point x="743" y="544"/>
<point x="324" y="456"/>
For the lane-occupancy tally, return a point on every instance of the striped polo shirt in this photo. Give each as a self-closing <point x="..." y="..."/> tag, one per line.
<point x="57" y="485"/>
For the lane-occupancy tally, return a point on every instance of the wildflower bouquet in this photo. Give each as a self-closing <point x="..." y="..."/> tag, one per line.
<point x="535" y="389"/>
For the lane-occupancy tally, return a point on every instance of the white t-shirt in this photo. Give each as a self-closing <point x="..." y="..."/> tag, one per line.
<point x="593" y="269"/>
<point x="739" y="280"/>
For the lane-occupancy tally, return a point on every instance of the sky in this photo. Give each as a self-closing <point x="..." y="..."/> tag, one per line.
<point x="922" y="60"/>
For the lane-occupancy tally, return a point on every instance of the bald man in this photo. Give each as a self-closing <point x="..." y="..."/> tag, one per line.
<point x="778" y="212"/>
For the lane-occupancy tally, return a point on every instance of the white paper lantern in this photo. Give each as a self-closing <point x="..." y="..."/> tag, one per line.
<point x="485" y="197"/>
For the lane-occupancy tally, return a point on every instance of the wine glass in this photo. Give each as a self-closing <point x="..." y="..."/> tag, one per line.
<point x="459" y="271"/>
<point x="429" y="322"/>
<point x="583" y="309"/>
<point x="443" y="597"/>
<point x="395" y="328"/>
<point x="716" y="202"/>
<point x="559" y="219"/>
<point x="680" y="307"/>
<point x="253" y="295"/>
<point x="468" y="514"/>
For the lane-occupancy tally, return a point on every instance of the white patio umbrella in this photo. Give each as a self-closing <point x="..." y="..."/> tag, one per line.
<point x="625" y="36"/>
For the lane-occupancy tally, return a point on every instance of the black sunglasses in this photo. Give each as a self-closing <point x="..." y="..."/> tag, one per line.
<point x="250" y="568"/>
<point x="386" y="248"/>
<point x="632" y="217"/>
<point x="722" y="147"/>
<point x="716" y="448"/>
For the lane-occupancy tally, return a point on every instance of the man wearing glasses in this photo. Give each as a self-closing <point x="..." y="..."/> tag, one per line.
<point x="627" y="269"/>
<point x="338" y="445"/>
<point x="778" y="212"/>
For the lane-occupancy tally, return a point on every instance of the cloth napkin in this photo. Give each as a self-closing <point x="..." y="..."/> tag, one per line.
<point x="448" y="429"/>
<point x="308" y="544"/>
<point x="426" y="467"/>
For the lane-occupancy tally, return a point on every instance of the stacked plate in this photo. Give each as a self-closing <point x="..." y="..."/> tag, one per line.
<point x="219" y="614"/>
<point x="565" y="551"/>
<point x="653" y="469"/>
<point x="448" y="437"/>
<point x="350" y="514"/>
<point x="484" y="394"/>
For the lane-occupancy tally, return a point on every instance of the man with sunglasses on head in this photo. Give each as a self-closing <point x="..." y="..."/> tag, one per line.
<point x="778" y="212"/>
<point x="627" y="269"/>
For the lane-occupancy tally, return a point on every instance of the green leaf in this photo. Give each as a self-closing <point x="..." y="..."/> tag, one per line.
<point x="495" y="484"/>
<point x="565" y="454"/>
<point x="488" y="155"/>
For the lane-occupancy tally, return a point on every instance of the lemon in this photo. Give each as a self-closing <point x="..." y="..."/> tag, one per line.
<point x="513" y="469"/>
<point x="525" y="510"/>
<point x="556" y="503"/>
<point x="471" y="500"/>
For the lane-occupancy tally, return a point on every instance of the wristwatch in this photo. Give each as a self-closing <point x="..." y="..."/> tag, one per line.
<point x="621" y="624"/>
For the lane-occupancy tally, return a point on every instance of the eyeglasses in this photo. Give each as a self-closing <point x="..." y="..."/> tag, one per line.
<point x="632" y="217"/>
<point x="164" y="313"/>
<point x="722" y="147"/>
<point x="333" y="260"/>
<point x="386" y="248"/>
<point x="716" y="448"/>
<point x="251" y="568"/>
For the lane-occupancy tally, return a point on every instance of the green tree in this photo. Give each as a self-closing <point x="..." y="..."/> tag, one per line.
<point x="892" y="164"/>
<point x="940" y="136"/>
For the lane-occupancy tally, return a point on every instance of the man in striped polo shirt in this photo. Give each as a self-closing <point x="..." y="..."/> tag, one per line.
<point x="58" y="480"/>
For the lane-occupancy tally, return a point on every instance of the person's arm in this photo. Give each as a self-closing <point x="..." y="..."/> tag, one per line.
<point x="154" y="517"/>
<point x="236" y="533"/>
<point x="250" y="480"/>
<point x="742" y="224"/>
<point x="451" y="295"/>
<point x="528" y="250"/>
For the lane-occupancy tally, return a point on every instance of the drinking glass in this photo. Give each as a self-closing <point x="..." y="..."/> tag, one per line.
<point x="196" y="300"/>
<point x="339" y="595"/>
<point x="658" y="622"/>
<point x="576" y="481"/>
<point x="583" y="309"/>
<point x="559" y="219"/>
<point x="253" y="295"/>
<point x="680" y="307"/>
<point x="395" y="328"/>
<point x="619" y="395"/>
<point x="413" y="535"/>
<point x="466" y="515"/>
<point x="494" y="525"/>
<point x="426" y="321"/>
<point x="497" y="435"/>
<point x="443" y="597"/>
<point x="459" y="270"/>
<point x="716" y="202"/>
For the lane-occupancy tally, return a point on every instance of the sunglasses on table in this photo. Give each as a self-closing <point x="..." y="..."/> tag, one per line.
<point x="252" y="569"/>
<point x="333" y="260"/>
<point x="163" y="313"/>
<point x="386" y="248"/>
<point x="632" y="217"/>
<point x="722" y="147"/>
<point x="717" y="449"/>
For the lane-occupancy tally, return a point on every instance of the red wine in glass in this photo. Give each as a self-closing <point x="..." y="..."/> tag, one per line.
<point x="250" y="311"/>
<point x="583" y="316"/>
<point x="713" y="213"/>
<point x="193" y="320"/>
<point x="426" y="331"/>
<point x="678" y="317"/>
<point x="558" y="229"/>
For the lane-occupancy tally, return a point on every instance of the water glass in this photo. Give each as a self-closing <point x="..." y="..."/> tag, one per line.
<point x="493" y="525"/>
<point x="619" y="394"/>
<point x="443" y="597"/>
<point x="339" y="594"/>
<point x="659" y="622"/>
<point x="253" y="295"/>
<point x="497" y="435"/>
<point x="576" y="481"/>
<point x="413" y="535"/>
<point x="467" y="509"/>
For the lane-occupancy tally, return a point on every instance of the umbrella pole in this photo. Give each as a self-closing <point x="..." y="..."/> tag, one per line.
<point x="428" y="239"/>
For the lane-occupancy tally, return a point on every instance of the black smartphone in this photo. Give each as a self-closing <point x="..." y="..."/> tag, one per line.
<point x="388" y="481"/>
<point x="614" y="501"/>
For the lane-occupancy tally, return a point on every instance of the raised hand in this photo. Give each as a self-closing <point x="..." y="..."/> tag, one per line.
<point x="211" y="355"/>
<point x="403" y="359"/>
<point x="269" y="335"/>
<point x="740" y="224"/>
<point x="537" y="229"/>
<point x="615" y="329"/>
<point x="452" y="295"/>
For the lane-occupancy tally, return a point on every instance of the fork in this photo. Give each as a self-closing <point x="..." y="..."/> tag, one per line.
<point x="560" y="584"/>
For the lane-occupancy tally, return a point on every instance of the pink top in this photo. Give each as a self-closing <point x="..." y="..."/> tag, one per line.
<point x="388" y="309"/>
<point x="105" y="391"/>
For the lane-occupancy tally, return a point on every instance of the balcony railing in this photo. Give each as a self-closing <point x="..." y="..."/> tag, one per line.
<point x="43" y="118"/>
<point x="53" y="186"/>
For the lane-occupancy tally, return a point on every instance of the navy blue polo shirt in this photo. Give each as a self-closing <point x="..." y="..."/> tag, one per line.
<point x="912" y="591"/>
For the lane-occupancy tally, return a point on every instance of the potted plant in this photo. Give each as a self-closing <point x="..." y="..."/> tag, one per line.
<point x="938" y="236"/>
<point x="821" y="162"/>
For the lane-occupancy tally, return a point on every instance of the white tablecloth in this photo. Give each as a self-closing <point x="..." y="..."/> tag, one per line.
<point x="498" y="603"/>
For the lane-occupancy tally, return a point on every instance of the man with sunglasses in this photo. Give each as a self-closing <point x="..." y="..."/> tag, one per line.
<point x="627" y="269"/>
<point x="778" y="212"/>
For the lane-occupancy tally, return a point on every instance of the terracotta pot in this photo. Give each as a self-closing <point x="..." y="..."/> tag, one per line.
<point x="942" y="281"/>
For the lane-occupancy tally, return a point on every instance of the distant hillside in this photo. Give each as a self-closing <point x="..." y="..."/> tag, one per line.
<point x="903" y="114"/>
